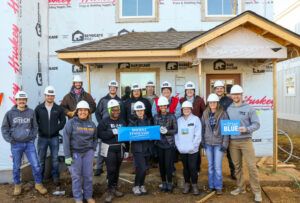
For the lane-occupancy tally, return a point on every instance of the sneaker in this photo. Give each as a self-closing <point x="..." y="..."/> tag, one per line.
<point x="117" y="193"/>
<point x="136" y="191"/>
<point x="164" y="187"/>
<point x="41" y="189"/>
<point x="219" y="192"/>
<point x="143" y="189"/>
<point x="195" y="189"/>
<point x="98" y="172"/>
<point x="17" y="190"/>
<point x="109" y="196"/>
<point x="170" y="187"/>
<point x="238" y="191"/>
<point x="186" y="188"/>
<point x="258" y="197"/>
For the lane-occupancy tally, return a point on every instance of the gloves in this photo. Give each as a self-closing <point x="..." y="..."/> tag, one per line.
<point x="115" y="131"/>
<point x="69" y="161"/>
<point x="70" y="114"/>
<point x="126" y="155"/>
<point x="163" y="130"/>
<point x="223" y="149"/>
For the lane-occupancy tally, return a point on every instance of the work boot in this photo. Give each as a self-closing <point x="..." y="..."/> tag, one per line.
<point x="258" y="197"/>
<point x="195" y="189"/>
<point x="170" y="187"/>
<point x="109" y="196"/>
<point x="98" y="172"/>
<point x="117" y="193"/>
<point x="164" y="187"/>
<point x="232" y="175"/>
<point x="91" y="200"/>
<point x="238" y="191"/>
<point x="17" y="189"/>
<point x="186" y="188"/>
<point x="219" y="192"/>
<point x="136" y="191"/>
<point x="40" y="188"/>
<point x="143" y="190"/>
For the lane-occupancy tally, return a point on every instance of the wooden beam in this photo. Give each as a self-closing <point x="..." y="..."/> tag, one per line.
<point x="117" y="54"/>
<point x="275" y="123"/>
<point x="213" y="34"/>
<point x="88" y="76"/>
<point x="206" y="197"/>
<point x="134" y="59"/>
<point x="264" y="32"/>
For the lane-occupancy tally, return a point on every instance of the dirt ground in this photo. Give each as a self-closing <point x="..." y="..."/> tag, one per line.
<point x="285" y="144"/>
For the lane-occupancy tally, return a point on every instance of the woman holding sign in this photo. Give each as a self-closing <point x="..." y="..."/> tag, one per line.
<point x="187" y="141"/>
<point x="214" y="143"/>
<point x="166" y="144"/>
<point x="112" y="151"/>
<point x="80" y="142"/>
<point x="141" y="149"/>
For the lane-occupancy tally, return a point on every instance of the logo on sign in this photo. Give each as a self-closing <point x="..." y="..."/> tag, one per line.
<point x="230" y="127"/>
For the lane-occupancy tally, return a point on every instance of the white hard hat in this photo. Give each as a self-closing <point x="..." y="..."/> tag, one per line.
<point x="163" y="101"/>
<point x="187" y="104"/>
<point x="189" y="86"/>
<point x="77" y="78"/>
<point x="21" y="95"/>
<point x="113" y="83"/>
<point x="83" y="105"/>
<point x="49" y="91"/>
<point x="236" y="89"/>
<point x="135" y="86"/>
<point x="213" y="98"/>
<point x="219" y="83"/>
<point x="139" y="106"/>
<point x="166" y="84"/>
<point x="150" y="83"/>
<point x="112" y="103"/>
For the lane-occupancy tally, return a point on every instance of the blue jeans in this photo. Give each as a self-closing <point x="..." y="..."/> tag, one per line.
<point x="53" y="144"/>
<point x="82" y="175"/>
<point x="17" y="150"/>
<point x="214" y="156"/>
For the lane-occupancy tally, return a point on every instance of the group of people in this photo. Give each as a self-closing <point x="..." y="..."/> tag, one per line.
<point x="186" y="126"/>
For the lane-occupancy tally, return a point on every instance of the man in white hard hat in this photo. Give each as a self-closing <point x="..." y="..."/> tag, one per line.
<point x="101" y="113"/>
<point x="19" y="128"/>
<point x="174" y="106"/>
<point x="241" y="146"/>
<point x="224" y="101"/>
<point x="51" y="119"/>
<point x="150" y="92"/>
<point x="76" y="94"/>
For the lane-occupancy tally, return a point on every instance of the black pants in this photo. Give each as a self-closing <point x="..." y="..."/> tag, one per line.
<point x="141" y="161"/>
<point x="166" y="162"/>
<point x="199" y="161"/>
<point x="230" y="163"/>
<point x="113" y="163"/>
<point x="190" y="168"/>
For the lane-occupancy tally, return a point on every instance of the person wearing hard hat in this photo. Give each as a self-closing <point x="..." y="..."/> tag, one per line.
<point x="141" y="150"/>
<point x="114" y="151"/>
<point x="150" y="92"/>
<point x="19" y="128"/>
<point x="198" y="107"/>
<point x="187" y="141"/>
<point x="224" y="101"/>
<point x="76" y="94"/>
<point x="80" y="142"/>
<point x="136" y="95"/>
<point x="241" y="146"/>
<point x="51" y="119"/>
<point x="214" y="143"/>
<point x="174" y="104"/>
<point x="101" y="113"/>
<point x="166" y="144"/>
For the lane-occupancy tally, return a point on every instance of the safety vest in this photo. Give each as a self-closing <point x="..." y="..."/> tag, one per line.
<point x="172" y="106"/>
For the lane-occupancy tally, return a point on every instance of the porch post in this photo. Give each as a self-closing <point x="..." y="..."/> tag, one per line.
<point x="88" y="76"/>
<point x="199" y="66"/>
<point x="275" y="123"/>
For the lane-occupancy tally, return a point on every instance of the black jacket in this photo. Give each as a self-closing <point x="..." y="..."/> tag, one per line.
<point x="225" y="102"/>
<point x="129" y="112"/>
<point x="141" y="146"/>
<point x="50" y="128"/>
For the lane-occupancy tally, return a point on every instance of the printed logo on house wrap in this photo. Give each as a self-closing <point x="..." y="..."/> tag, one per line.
<point x="79" y="36"/>
<point x="53" y="4"/>
<point x="96" y="3"/>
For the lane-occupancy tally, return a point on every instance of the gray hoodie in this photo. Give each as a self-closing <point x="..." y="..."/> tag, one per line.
<point x="248" y="118"/>
<point x="79" y="136"/>
<point x="19" y="126"/>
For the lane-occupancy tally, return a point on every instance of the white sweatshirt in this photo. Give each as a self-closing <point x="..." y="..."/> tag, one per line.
<point x="189" y="134"/>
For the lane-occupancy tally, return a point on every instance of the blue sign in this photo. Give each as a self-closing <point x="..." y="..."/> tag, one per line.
<point x="230" y="127"/>
<point x="139" y="133"/>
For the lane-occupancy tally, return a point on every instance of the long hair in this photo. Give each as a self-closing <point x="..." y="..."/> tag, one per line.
<point x="218" y="112"/>
<point x="89" y="116"/>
